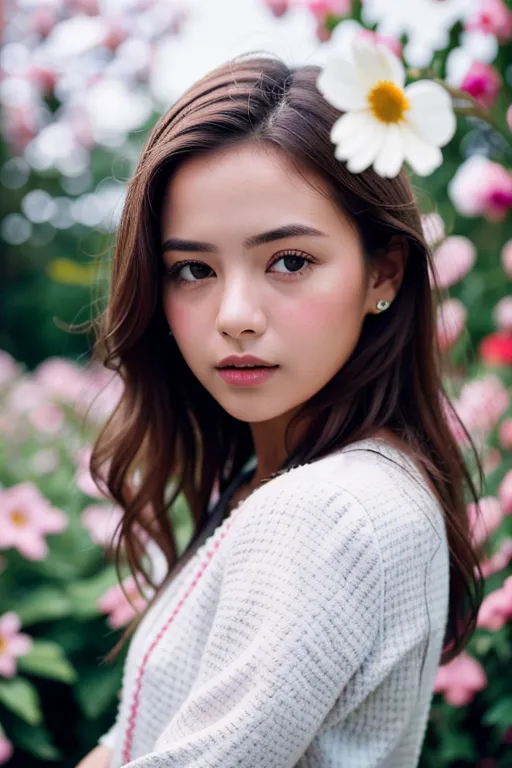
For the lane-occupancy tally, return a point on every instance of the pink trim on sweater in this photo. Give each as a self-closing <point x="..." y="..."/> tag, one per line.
<point x="127" y="748"/>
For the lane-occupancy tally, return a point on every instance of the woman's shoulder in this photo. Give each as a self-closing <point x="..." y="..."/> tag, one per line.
<point x="370" y="481"/>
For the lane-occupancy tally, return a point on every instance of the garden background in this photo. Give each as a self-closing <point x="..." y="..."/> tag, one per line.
<point x="81" y="84"/>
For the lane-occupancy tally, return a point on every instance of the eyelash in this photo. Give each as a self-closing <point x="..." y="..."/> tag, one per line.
<point x="173" y="275"/>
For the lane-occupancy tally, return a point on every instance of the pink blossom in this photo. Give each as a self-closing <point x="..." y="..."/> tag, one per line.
<point x="492" y="17"/>
<point x="9" y="368"/>
<point x="25" y="396"/>
<point x="322" y="7"/>
<point x="453" y="259"/>
<point x="498" y="561"/>
<point x="481" y="187"/>
<point x="485" y="519"/>
<point x="13" y="643"/>
<point x="509" y="118"/>
<point x="101" y="520"/>
<point x="433" y="228"/>
<point x="120" y="610"/>
<point x="506" y="258"/>
<point x="390" y="42"/>
<point x="45" y="461"/>
<point x="481" y="404"/>
<point x="505" y="434"/>
<point x="502" y="314"/>
<point x="451" y="321"/>
<point x="505" y="493"/>
<point x="460" y="680"/>
<point x="47" y="417"/>
<point x="62" y="379"/>
<point x="492" y="460"/>
<point x="84" y="478"/>
<point x="452" y="421"/>
<point x="496" y="608"/>
<point x="25" y="518"/>
<point x="6" y="750"/>
<point x="483" y="82"/>
<point x="278" y="7"/>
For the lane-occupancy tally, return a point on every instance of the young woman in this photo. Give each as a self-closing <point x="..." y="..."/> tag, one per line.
<point x="272" y="318"/>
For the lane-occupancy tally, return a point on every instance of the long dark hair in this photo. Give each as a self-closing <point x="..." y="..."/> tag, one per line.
<point x="169" y="436"/>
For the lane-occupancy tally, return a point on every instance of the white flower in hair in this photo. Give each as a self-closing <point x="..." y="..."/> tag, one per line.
<point x="385" y="123"/>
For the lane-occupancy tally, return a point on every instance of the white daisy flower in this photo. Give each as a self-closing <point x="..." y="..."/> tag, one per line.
<point x="385" y="123"/>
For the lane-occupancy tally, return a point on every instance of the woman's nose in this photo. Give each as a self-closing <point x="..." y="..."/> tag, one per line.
<point x="240" y="310"/>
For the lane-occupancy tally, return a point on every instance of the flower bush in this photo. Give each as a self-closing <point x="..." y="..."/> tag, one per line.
<point x="61" y="607"/>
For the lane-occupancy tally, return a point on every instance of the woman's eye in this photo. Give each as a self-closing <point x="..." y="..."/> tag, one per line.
<point x="189" y="272"/>
<point x="292" y="263"/>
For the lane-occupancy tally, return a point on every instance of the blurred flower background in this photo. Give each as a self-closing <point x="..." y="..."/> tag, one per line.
<point x="81" y="84"/>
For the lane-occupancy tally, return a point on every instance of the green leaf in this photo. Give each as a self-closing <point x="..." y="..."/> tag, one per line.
<point x="35" y="740"/>
<point x="47" y="659"/>
<point x="457" y="746"/>
<point x="97" y="690"/>
<point x="85" y="594"/>
<point x="500" y="713"/>
<point x="43" y="604"/>
<point x="20" y="697"/>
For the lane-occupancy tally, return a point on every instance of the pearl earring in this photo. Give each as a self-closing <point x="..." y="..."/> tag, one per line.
<point x="383" y="304"/>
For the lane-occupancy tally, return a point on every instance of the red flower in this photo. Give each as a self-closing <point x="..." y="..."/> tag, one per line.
<point x="497" y="348"/>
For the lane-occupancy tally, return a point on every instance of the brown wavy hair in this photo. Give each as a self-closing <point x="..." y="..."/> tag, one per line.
<point x="168" y="436"/>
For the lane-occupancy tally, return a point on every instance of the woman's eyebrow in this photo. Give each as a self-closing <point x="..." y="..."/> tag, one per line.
<point x="288" y="230"/>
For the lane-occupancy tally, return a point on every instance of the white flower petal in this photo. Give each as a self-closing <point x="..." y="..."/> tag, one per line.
<point x="337" y="83"/>
<point x="348" y="124"/>
<point x="390" y="158"/>
<point x="362" y="128"/>
<point x="431" y="114"/>
<point x="362" y="160"/>
<point x="374" y="63"/>
<point x="421" y="156"/>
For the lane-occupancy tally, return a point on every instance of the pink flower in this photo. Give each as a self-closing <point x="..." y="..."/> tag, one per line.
<point x="502" y="314"/>
<point x="45" y="461"/>
<point x="47" y="417"/>
<point x="62" y="379"/>
<point x="505" y="434"/>
<point x="322" y="7"/>
<point x="451" y="321"/>
<point x="12" y="643"/>
<point x="483" y="82"/>
<point x="120" y="610"/>
<point x="481" y="404"/>
<point x="278" y="7"/>
<point x="491" y="460"/>
<point x="25" y="518"/>
<point x="481" y="187"/>
<point x="390" y="42"/>
<point x="84" y="478"/>
<point x="25" y="396"/>
<point x="498" y="561"/>
<point x="9" y="368"/>
<point x="6" y="750"/>
<point x="485" y="519"/>
<point x="506" y="258"/>
<point x="101" y="520"/>
<point x="453" y="259"/>
<point x="496" y="608"/>
<point x="460" y="679"/>
<point x="509" y="118"/>
<point x="492" y="17"/>
<point x="505" y="493"/>
<point x="433" y="228"/>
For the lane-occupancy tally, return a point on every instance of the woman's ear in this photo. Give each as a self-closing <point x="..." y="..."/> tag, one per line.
<point x="387" y="272"/>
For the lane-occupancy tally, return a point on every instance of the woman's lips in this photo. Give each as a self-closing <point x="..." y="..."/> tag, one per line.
<point x="247" y="377"/>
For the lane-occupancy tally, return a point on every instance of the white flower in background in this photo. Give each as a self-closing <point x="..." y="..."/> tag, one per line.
<point x="385" y="123"/>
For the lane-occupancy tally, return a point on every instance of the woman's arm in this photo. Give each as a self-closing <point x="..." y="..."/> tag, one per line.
<point x="99" y="757"/>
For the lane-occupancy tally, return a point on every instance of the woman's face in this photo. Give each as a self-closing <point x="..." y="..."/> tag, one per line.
<point x="297" y="302"/>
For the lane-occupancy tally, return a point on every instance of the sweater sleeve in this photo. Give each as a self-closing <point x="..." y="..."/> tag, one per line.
<point x="299" y="610"/>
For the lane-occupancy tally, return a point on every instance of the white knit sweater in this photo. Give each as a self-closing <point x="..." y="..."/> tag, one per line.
<point x="306" y="631"/>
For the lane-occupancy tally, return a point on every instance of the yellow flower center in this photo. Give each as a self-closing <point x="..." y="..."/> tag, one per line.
<point x="18" y="518"/>
<point x="387" y="102"/>
<point x="3" y="644"/>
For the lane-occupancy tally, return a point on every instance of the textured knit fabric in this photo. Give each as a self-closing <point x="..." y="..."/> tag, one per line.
<point x="306" y="630"/>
